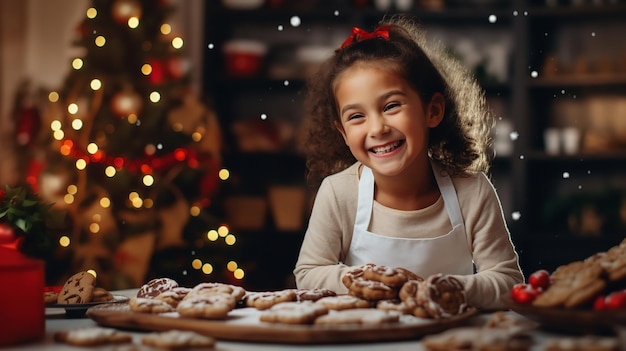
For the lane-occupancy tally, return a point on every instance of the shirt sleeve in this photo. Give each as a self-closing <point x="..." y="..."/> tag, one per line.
<point x="319" y="262"/>
<point x="495" y="258"/>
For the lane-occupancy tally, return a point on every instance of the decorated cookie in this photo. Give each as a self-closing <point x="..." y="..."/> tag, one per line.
<point x="236" y="292"/>
<point x="173" y="297"/>
<point x="442" y="296"/>
<point x="313" y="294"/>
<point x="101" y="295"/>
<point x="368" y="316"/>
<point x="92" y="336"/>
<point x="156" y="286"/>
<point x="343" y="302"/>
<point x="209" y="306"/>
<point x="477" y="338"/>
<point x="354" y="274"/>
<point x="267" y="299"/>
<point x="372" y="290"/>
<point x="293" y="312"/>
<point x="177" y="339"/>
<point x="50" y="297"/>
<point x="148" y="305"/>
<point x="77" y="289"/>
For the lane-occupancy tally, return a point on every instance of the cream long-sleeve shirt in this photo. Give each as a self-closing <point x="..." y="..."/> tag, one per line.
<point x="328" y="236"/>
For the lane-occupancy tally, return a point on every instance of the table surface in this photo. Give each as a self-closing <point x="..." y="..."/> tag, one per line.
<point x="56" y="321"/>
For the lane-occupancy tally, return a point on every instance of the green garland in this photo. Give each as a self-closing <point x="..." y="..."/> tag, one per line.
<point x="30" y="219"/>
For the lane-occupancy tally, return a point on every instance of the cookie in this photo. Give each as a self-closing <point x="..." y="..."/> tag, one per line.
<point x="343" y="302"/>
<point x="101" y="295"/>
<point x="363" y="316"/>
<point x="372" y="290"/>
<point x="395" y="306"/>
<point x="213" y="306"/>
<point x="156" y="286"/>
<point x="354" y="274"/>
<point x="582" y="343"/>
<point x="50" y="297"/>
<point x="147" y="305"/>
<point x="477" y="338"/>
<point x="77" y="289"/>
<point x="92" y="336"/>
<point x="177" y="339"/>
<point x="392" y="277"/>
<point x="442" y="296"/>
<point x="408" y="292"/>
<point x="293" y="312"/>
<point x="313" y="294"/>
<point x="573" y="285"/>
<point x="267" y="299"/>
<point x="236" y="292"/>
<point x="173" y="297"/>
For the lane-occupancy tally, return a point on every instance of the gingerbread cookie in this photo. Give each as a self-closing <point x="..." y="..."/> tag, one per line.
<point x="582" y="343"/>
<point x="236" y="292"/>
<point x="147" y="305"/>
<point x="313" y="294"/>
<point x="50" y="297"/>
<point x="389" y="276"/>
<point x="177" y="339"/>
<point x="293" y="312"/>
<point x="477" y="338"/>
<point x="395" y="306"/>
<point x="267" y="299"/>
<point x="408" y="292"/>
<point x="77" y="289"/>
<point x="573" y="285"/>
<point x="442" y="296"/>
<point x="368" y="316"/>
<point x="173" y="297"/>
<point x="372" y="290"/>
<point x="213" y="306"/>
<point x="156" y="286"/>
<point x="355" y="273"/>
<point x="101" y="295"/>
<point x="92" y="336"/>
<point x="343" y="302"/>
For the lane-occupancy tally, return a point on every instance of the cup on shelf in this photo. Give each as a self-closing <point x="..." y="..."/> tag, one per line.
<point x="570" y="137"/>
<point x="552" y="141"/>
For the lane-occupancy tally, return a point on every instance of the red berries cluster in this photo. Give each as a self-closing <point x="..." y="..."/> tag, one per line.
<point x="613" y="301"/>
<point x="537" y="283"/>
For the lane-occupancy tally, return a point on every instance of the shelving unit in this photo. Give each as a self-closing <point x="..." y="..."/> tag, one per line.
<point x="524" y="33"/>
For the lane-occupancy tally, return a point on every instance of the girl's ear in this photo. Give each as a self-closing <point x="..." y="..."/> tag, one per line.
<point x="435" y="110"/>
<point x="340" y="129"/>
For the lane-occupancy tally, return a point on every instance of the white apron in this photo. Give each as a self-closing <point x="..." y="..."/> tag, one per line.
<point x="446" y="254"/>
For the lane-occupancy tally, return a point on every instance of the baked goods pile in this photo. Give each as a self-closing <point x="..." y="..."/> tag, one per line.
<point x="166" y="340"/>
<point x="78" y="289"/>
<point x="596" y="282"/>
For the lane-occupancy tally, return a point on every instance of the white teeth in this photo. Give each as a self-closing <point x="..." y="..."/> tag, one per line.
<point x="386" y="148"/>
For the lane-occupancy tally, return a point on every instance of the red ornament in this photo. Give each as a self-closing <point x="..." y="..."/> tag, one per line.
<point x="157" y="76"/>
<point x="7" y="234"/>
<point x="540" y="279"/>
<point x="616" y="300"/>
<point x="524" y="293"/>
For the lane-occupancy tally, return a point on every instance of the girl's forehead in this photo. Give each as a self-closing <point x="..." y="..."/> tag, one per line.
<point x="384" y="66"/>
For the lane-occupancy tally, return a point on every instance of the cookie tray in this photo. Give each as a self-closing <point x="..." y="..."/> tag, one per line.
<point x="243" y="324"/>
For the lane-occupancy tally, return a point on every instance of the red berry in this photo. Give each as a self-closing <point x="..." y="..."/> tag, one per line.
<point x="540" y="279"/>
<point x="616" y="300"/>
<point x="599" y="303"/>
<point x="524" y="293"/>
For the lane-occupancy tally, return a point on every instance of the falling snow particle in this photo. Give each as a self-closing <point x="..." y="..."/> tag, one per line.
<point x="534" y="74"/>
<point x="211" y="46"/>
<point x="521" y="157"/>
<point x="263" y="116"/>
<point x="565" y="175"/>
<point x="514" y="135"/>
<point x="563" y="92"/>
<point x="185" y="272"/>
<point x="515" y="13"/>
<point x="336" y="13"/>
<point x="280" y="27"/>
<point x="580" y="187"/>
<point x="593" y="34"/>
<point x="295" y="21"/>
<point x="493" y="18"/>
<point x="525" y="13"/>
<point x="516" y="215"/>
<point x="286" y="83"/>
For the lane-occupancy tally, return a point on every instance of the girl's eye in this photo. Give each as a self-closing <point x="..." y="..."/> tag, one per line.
<point x="354" y="116"/>
<point x="391" y="105"/>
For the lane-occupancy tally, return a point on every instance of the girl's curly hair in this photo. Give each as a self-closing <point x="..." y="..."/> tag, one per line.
<point x="460" y="143"/>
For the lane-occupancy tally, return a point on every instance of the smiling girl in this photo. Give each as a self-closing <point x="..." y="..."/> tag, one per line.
<point x="398" y="133"/>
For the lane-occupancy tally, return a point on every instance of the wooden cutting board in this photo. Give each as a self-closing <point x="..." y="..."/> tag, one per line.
<point x="243" y="324"/>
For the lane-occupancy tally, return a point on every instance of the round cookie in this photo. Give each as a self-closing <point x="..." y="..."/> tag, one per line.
<point x="442" y="296"/>
<point x="354" y="274"/>
<point x="50" y="297"/>
<point x="313" y="294"/>
<point x="213" y="306"/>
<point x="372" y="290"/>
<point x="101" y="295"/>
<point x="77" y="289"/>
<point x="92" y="336"/>
<point x="387" y="275"/>
<point x="396" y="306"/>
<point x="293" y="312"/>
<point x="173" y="297"/>
<point x="147" y="305"/>
<point x="369" y="316"/>
<point x="156" y="286"/>
<point x="236" y="292"/>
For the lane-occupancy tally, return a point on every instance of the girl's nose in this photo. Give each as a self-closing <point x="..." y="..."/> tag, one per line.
<point x="378" y="126"/>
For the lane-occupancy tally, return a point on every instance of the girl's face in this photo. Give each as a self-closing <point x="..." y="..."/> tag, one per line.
<point x="383" y="120"/>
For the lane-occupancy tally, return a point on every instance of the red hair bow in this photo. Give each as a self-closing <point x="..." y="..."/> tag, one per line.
<point x="359" y="34"/>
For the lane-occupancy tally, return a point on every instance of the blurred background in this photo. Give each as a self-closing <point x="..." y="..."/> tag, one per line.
<point x="167" y="129"/>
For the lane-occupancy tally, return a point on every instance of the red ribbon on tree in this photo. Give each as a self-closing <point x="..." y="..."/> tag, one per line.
<point x="359" y="34"/>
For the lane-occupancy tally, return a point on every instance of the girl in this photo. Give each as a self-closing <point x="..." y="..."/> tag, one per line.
<point x="410" y="189"/>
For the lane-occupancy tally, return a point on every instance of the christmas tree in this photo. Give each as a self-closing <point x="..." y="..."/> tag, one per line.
<point x="135" y="154"/>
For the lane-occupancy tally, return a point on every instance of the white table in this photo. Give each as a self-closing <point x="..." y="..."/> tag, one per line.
<point x="56" y="321"/>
